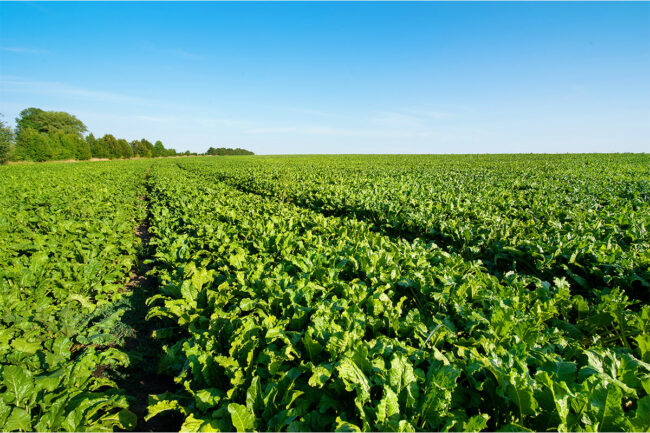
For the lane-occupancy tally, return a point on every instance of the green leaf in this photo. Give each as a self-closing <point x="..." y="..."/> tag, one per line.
<point x="124" y="419"/>
<point x="513" y="427"/>
<point x="388" y="405"/>
<point x="23" y="345"/>
<point x="193" y="424"/>
<point x="242" y="419"/>
<point x="19" y="420"/>
<point x="402" y="379"/>
<point x="521" y="393"/>
<point x="50" y="381"/>
<point x="405" y="426"/>
<point x="320" y="376"/>
<point x="643" y="341"/>
<point x="84" y="301"/>
<point x="162" y="403"/>
<point x="189" y="291"/>
<point x="353" y="378"/>
<point x="641" y="420"/>
<point x="612" y="417"/>
<point x="344" y="426"/>
<point x="208" y="398"/>
<point x="476" y="423"/>
<point x="254" y="398"/>
<point x="201" y="277"/>
<point x="18" y="382"/>
<point x="313" y="347"/>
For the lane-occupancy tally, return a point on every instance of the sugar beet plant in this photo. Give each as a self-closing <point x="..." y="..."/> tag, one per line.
<point x="371" y="293"/>
<point x="67" y="248"/>
<point x="282" y="318"/>
<point x="582" y="217"/>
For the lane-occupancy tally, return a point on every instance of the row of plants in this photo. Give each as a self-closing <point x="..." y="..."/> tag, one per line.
<point x="68" y="247"/>
<point x="277" y="317"/>
<point x="581" y="217"/>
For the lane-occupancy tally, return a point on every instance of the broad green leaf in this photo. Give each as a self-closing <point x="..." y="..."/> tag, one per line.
<point x="520" y="392"/>
<point x="242" y="419"/>
<point x="344" y="426"/>
<point x="353" y="378"/>
<point x="19" y="420"/>
<point x="157" y="406"/>
<point x="513" y="427"/>
<point x="254" y="398"/>
<point x="612" y="417"/>
<point x="26" y="346"/>
<point x="641" y="419"/>
<point x="476" y="423"/>
<point x="388" y="405"/>
<point x="18" y="382"/>
<point x="193" y="424"/>
<point x="206" y="399"/>
<point x="405" y="426"/>
<point x="402" y="378"/>
<point x="321" y="374"/>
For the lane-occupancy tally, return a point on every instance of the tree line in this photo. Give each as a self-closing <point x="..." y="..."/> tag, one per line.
<point x="221" y="151"/>
<point x="55" y="135"/>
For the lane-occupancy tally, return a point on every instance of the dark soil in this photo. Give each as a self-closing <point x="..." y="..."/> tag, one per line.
<point x="141" y="378"/>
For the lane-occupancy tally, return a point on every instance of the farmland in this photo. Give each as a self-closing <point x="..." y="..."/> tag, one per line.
<point x="321" y="293"/>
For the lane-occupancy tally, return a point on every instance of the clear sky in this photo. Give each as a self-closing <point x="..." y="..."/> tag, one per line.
<point x="338" y="77"/>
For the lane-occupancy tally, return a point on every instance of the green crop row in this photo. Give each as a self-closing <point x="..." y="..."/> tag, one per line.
<point x="375" y="293"/>
<point x="68" y="246"/>
<point x="581" y="217"/>
<point x="281" y="318"/>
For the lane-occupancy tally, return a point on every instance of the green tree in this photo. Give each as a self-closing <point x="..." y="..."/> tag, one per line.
<point x="158" y="149"/>
<point x="71" y="146"/>
<point x="219" y="151"/>
<point x="142" y="148"/>
<point x="49" y="122"/>
<point x="110" y="148"/>
<point x="124" y="149"/>
<point x="6" y="141"/>
<point x="32" y="145"/>
<point x="92" y="145"/>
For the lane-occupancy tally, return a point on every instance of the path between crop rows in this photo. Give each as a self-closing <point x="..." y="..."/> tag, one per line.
<point x="141" y="377"/>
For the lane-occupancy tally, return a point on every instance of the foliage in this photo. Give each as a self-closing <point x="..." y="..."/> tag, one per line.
<point x="68" y="247"/>
<point x="6" y="142"/>
<point x="293" y="320"/>
<point x="48" y="122"/>
<point x="581" y="217"/>
<point x="219" y="151"/>
<point x="48" y="135"/>
<point x="374" y="293"/>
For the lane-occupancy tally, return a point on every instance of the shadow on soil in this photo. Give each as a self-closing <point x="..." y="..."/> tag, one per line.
<point x="141" y="378"/>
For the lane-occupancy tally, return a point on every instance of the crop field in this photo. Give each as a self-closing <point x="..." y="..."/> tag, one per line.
<point x="322" y="293"/>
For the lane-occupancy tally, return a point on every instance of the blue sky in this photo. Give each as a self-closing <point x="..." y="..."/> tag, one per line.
<point x="420" y="77"/>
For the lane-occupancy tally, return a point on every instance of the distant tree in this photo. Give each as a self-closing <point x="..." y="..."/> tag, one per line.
<point x="32" y="145"/>
<point x="6" y="141"/>
<point x="124" y="148"/>
<point x="71" y="146"/>
<point x="92" y="144"/>
<point x="142" y="148"/>
<point x="158" y="149"/>
<point x="63" y="145"/>
<point x="221" y="151"/>
<point x="100" y="148"/>
<point x="111" y="149"/>
<point x="49" y="122"/>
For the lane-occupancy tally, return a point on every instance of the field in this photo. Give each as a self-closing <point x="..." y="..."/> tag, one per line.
<point x="321" y="293"/>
